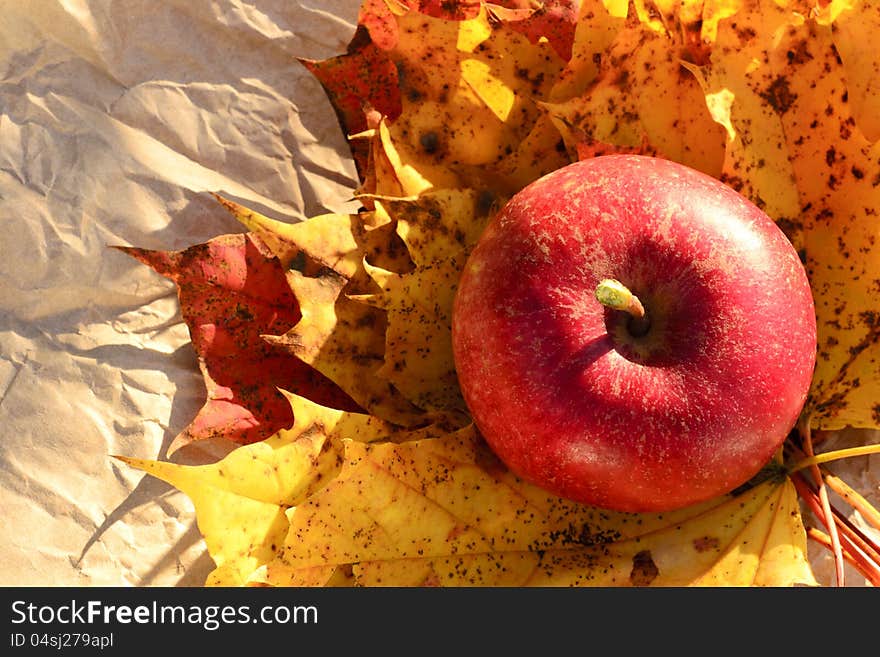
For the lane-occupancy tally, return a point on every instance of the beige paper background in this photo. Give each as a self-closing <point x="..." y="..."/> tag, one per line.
<point x="117" y="120"/>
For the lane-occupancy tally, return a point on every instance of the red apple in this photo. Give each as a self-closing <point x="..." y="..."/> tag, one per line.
<point x="593" y="404"/>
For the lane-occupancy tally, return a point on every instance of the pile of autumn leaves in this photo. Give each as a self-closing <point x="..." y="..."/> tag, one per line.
<point x="325" y="345"/>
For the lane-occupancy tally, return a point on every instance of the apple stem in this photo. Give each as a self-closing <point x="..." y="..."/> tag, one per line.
<point x="614" y="294"/>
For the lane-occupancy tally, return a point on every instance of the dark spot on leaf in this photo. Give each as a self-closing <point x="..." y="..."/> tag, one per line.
<point x="825" y="215"/>
<point x="779" y="96"/>
<point x="644" y="570"/>
<point x="871" y="318"/>
<point x="790" y="227"/>
<point x="799" y="54"/>
<point x="243" y="313"/>
<point x="706" y="543"/>
<point x="735" y="182"/>
<point x="830" y="156"/>
<point x="744" y="33"/>
<point x="429" y="141"/>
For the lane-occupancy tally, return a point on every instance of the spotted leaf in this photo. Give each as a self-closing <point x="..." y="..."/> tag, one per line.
<point x="444" y="512"/>
<point x="798" y="149"/>
<point x="233" y="292"/>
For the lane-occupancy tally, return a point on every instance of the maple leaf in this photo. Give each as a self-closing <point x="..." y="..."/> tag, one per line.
<point x="232" y="292"/>
<point x="362" y="80"/>
<point x="799" y="150"/>
<point x="242" y="501"/>
<point x="468" y="91"/>
<point x="346" y="498"/>
<point x="451" y="108"/>
<point x="439" y="229"/>
<point x="553" y="21"/>
<point x="336" y="335"/>
<point x="444" y="511"/>
<point x="640" y="95"/>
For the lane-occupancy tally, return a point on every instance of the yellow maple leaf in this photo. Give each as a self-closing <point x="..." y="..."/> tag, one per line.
<point x="640" y="93"/>
<point x="855" y="24"/>
<point x="242" y="502"/>
<point x="445" y="512"/>
<point x="598" y="25"/>
<point x="439" y="228"/>
<point x="800" y="152"/>
<point x="752" y="92"/>
<point x="470" y="117"/>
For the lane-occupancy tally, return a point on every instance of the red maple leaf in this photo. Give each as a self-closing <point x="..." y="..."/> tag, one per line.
<point x="233" y="291"/>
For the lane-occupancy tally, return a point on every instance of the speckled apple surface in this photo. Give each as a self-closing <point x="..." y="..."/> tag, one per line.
<point x="570" y="399"/>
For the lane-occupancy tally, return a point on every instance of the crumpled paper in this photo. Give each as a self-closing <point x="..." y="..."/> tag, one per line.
<point x="117" y="121"/>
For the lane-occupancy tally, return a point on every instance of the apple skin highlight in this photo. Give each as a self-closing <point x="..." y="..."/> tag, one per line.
<point x="570" y="399"/>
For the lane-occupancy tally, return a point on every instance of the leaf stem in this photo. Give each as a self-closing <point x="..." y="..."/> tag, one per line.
<point x="853" y="543"/>
<point x="826" y="457"/>
<point x="825" y="503"/>
<point x="848" y="530"/>
<point x="856" y="560"/>
<point x="854" y="499"/>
